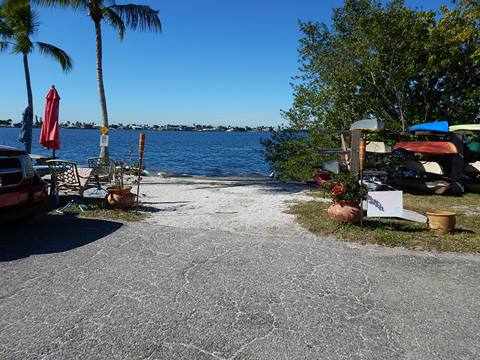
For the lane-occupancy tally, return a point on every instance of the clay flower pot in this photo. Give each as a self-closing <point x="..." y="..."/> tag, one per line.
<point x="345" y="212"/>
<point x="120" y="197"/>
<point x="442" y="222"/>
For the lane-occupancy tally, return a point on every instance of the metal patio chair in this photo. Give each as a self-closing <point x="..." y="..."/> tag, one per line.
<point x="68" y="177"/>
<point x="102" y="170"/>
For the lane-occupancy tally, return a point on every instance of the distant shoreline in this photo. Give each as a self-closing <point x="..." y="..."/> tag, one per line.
<point x="197" y="128"/>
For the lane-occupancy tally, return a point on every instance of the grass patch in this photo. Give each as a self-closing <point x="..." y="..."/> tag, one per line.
<point x="98" y="208"/>
<point x="392" y="232"/>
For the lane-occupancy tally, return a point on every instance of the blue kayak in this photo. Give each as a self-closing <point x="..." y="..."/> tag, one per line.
<point x="437" y="126"/>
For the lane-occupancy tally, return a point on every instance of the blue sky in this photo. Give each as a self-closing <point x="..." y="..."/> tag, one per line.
<point x="220" y="62"/>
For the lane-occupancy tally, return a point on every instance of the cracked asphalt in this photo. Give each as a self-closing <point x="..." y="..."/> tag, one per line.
<point x="75" y="288"/>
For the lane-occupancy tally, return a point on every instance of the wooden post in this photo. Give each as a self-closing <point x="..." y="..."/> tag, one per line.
<point x="141" y="147"/>
<point x="457" y="163"/>
<point x="354" y="148"/>
<point x="362" y="154"/>
<point x="361" y="164"/>
<point x="345" y="139"/>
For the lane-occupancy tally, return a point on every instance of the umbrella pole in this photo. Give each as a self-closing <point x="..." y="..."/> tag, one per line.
<point x="54" y="153"/>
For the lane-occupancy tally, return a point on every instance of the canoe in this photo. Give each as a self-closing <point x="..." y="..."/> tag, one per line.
<point x="378" y="147"/>
<point x="465" y="127"/>
<point x="418" y="186"/>
<point x="428" y="147"/>
<point x="437" y="126"/>
<point x="474" y="147"/>
<point x="368" y="124"/>
<point x="438" y="187"/>
<point x="472" y="187"/>
<point x="431" y="167"/>
<point x="473" y="167"/>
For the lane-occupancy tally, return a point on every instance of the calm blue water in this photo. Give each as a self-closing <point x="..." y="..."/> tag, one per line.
<point x="182" y="152"/>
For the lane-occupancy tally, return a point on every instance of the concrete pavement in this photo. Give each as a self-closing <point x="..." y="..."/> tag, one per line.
<point x="93" y="289"/>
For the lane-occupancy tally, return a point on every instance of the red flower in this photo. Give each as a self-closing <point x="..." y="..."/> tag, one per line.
<point x="338" y="189"/>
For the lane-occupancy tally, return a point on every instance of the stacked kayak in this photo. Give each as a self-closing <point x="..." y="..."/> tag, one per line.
<point x="425" y="161"/>
<point x="465" y="127"/>
<point x="428" y="147"/>
<point x="472" y="155"/>
<point x="368" y="125"/>
<point x="434" y="127"/>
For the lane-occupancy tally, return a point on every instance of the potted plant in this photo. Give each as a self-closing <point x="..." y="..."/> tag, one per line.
<point x="119" y="195"/>
<point x="346" y="194"/>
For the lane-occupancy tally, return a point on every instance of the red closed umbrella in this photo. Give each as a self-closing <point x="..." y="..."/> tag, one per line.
<point x="50" y="133"/>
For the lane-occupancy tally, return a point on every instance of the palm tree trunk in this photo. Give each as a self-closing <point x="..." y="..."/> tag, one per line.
<point x="101" y="89"/>
<point x="28" y="145"/>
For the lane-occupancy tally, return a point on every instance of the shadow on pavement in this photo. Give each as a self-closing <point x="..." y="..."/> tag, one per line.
<point x="51" y="234"/>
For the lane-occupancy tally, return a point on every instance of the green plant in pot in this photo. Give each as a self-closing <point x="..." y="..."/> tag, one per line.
<point x="347" y="194"/>
<point x="119" y="195"/>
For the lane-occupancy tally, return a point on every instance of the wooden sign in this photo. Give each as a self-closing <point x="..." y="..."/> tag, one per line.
<point x="385" y="204"/>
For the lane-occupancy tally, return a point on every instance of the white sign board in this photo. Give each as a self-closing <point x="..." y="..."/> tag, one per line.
<point x="385" y="204"/>
<point x="103" y="140"/>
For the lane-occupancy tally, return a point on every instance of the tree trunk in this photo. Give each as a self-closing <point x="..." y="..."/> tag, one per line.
<point x="28" y="145"/>
<point x="101" y="89"/>
<point x="402" y="118"/>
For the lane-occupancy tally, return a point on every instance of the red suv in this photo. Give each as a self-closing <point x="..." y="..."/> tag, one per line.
<point x="23" y="193"/>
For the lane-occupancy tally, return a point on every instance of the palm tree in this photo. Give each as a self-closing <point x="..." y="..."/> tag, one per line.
<point x="141" y="17"/>
<point x="17" y="24"/>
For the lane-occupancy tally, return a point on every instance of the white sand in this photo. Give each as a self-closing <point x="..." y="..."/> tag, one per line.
<point x="253" y="205"/>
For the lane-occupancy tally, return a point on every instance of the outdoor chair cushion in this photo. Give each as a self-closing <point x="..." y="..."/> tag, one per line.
<point x="84" y="174"/>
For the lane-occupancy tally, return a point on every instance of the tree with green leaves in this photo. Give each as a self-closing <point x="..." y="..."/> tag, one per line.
<point x="135" y="17"/>
<point x="368" y="63"/>
<point x="18" y="24"/>
<point x="388" y="61"/>
<point x="454" y="60"/>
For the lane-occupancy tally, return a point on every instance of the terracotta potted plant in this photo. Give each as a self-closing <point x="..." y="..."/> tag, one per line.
<point x="346" y="194"/>
<point x="120" y="197"/>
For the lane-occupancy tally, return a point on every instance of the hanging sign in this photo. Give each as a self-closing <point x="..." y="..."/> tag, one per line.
<point x="103" y="140"/>
<point x="385" y="204"/>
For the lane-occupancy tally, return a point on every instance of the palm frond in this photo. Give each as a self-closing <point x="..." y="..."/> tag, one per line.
<point x="22" y="45"/>
<point x="5" y="30"/>
<point x="140" y="17"/>
<point x="17" y="17"/>
<point x="58" y="54"/>
<point x="4" y="45"/>
<point x="114" y="20"/>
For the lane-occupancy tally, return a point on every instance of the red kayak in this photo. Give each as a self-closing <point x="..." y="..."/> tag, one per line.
<point x="428" y="147"/>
